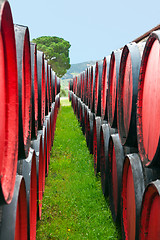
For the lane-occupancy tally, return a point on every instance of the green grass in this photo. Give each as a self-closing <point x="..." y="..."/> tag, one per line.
<point x="73" y="203"/>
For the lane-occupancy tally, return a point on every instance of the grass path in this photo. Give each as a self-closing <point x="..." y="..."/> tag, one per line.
<point x="73" y="203"/>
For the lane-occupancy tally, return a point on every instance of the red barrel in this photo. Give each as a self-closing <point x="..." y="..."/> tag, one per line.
<point x="89" y="86"/>
<point x="135" y="179"/>
<point x="96" y="143"/>
<point x="148" y="107"/>
<point x="58" y="85"/>
<point x="90" y="131"/>
<point x="53" y="85"/>
<point x="52" y="123"/>
<point x="24" y="88"/>
<point x="44" y="150"/>
<point x="112" y="88"/>
<point x="27" y="168"/>
<point x="105" y="133"/>
<point x="115" y="168"/>
<point x="47" y="88"/>
<point x="83" y="117"/>
<point x="41" y="88"/>
<point x="127" y="94"/>
<point x="85" y="87"/>
<point x="104" y="87"/>
<point x="98" y="87"/>
<point x="133" y="186"/>
<point x="40" y="168"/>
<point x="8" y="103"/>
<point x="82" y="86"/>
<point x="89" y="128"/>
<point x="14" y="216"/>
<point x="92" y="88"/>
<point x="48" y="142"/>
<point x="150" y="212"/>
<point x="53" y="120"/>
<point x="34" y="90"/>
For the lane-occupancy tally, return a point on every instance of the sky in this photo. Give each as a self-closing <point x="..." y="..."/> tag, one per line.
<point x="94" y="28"/>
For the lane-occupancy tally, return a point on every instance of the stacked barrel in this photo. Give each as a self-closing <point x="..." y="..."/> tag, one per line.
<point x="117" y="102"/>
<point x="29" y="102"/>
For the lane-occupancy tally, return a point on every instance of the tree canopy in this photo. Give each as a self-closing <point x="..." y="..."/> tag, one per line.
<point x="56" y="51"/>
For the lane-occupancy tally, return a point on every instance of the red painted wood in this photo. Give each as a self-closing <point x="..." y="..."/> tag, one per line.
<point x="33" y="198"/>
<point x="150" y="221"/>
<point x="21" y="214"/>
<point x="104" y="88"/>
<point x="148" y="108"/>
<point x="8" y="103"/>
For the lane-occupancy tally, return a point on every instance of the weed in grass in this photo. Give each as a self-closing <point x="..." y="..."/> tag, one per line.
<point x="73" y="203"/>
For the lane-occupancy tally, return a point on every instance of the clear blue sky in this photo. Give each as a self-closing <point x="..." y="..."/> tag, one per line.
<point x="93" y="27"/>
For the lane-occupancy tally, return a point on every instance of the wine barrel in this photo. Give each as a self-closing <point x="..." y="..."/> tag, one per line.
<point x="27" y="168"/>
<point x="112" y="87"/>
<point x="92" y="89"/>
<point x="85" y="86"/>
<point x="48" y="143"/>
<point x="8" y="104"/>
<point x="85" y="121"/>
<point x="89" y="86"/>
<point x="24" y="89"/>
<point x="82" y="86"/>
<point x="14" y="215"/>
<point x="116" y="155"/>
<point x="58" y="85"/>
<point x="150" y="212"/>
<point x="96" y="143"/>
<point x="54" y="85"/>
<point x="47" y="88"/>
<point x="33" y="48"/>
<point x="41" y="88"/>
<point x="115" y="167"/>
<point x="105" y="133"/>
<point x="40" y="168"/>
<point x="98" y="87"/>
<point x="134" y="180"/>
<point x="82" y="116"/>
<point x="127" y="94"/>
<point x="52" y="122"/>
<point x="148" y="128"/>
<point x="88" y="128"/>
<point x="90" y="131"/>
<point x="104" y="87"/>
<point x="78" y="108"/>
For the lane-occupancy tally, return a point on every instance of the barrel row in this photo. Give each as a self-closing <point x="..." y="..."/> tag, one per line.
<point x="29" y="101"/>
<point x="117" y="104"/>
